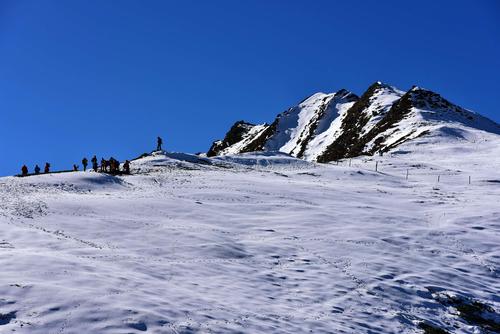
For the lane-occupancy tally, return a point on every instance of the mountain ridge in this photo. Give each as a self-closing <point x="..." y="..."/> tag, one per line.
<point x="330" y="126"/>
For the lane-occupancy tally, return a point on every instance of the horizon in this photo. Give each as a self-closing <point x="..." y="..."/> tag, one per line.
<point x="87" y="78"/>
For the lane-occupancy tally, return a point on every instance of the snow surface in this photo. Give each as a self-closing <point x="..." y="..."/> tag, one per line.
<point x="256" y="243"/>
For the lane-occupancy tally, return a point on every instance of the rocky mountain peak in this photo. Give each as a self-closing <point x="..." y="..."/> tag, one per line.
<point x="326" y="127"/>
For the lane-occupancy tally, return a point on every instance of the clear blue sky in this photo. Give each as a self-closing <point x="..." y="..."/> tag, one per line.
<point x="87" y="77"/>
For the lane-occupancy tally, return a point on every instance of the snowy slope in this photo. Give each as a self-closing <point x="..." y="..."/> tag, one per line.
<point x="328" y="127"/>
<point x="258" y="243"/>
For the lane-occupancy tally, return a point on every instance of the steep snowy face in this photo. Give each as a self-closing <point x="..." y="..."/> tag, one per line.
<point x="292" y="131"/>
<point x="239" y="136"/>
<point x="327" y="127"/>
<point x="380" y="102"/>
<point x="422" y="112"/>
<point x="363" y="116"/>
<point x="300" y="125"/>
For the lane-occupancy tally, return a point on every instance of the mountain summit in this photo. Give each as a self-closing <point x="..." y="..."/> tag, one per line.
<point x="326" y="127"/>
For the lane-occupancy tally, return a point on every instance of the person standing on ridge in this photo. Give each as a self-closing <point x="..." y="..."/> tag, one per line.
<point x="126" y="167"/>
<point x="37" y="169"/>
<point x="159" y="143"/>
<point x="47" y="168"/>
<point x="104" y="165"/>
<point x="24" y="170"/>
<point x="94" y="163"/>
<point x="84" y="164"/>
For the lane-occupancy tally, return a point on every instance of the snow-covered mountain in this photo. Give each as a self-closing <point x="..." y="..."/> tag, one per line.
<point x="326" y="127"/>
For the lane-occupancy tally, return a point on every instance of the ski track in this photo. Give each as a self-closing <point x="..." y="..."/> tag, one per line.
<point x="280" y="246"/>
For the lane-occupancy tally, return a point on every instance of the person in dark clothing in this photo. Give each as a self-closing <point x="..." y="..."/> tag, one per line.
<point x="94" y="163"/>
<point x="104" y="165"/>
<point x="84" y="164"/>
<point x="37" y="169"/>
<point x="24" y="170"/>
<point x="47" y="168"/>
<point x="114" y="165"/>
<point x="159" y="143"/>
<point x="75" y="168"/>
<point x="126" y="167"/>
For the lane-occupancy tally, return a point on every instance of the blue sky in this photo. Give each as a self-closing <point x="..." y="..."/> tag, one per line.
<point x="106" y="77"/>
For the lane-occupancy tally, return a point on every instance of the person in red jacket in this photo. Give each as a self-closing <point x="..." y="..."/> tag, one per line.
<point x="47" y="168"/>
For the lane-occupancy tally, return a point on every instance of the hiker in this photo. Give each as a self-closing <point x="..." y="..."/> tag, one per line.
<point x="75" y="168"/>
<point x="126" y="167"/>
<point x="24" y="170"/>
<point x="113" y="165"/>
<point x="47" y="168"/>
<point x="94" y="163"/>
<point x="160" y="142"/>
<point x="104" y="165"/>
<point x="37" y="169"/>
<point x="85" y="163"/>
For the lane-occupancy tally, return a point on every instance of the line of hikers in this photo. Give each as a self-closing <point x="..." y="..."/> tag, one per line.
<point x="107" y="166"/>
<point x="37" y="169"/>
<point x="111" y="165"/>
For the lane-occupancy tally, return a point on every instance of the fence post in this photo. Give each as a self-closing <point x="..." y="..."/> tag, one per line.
<point x="376" y="166"/>
<point x="469" y="179"/>
<point x="407" y="174"/>
<point x="439" y="177"/>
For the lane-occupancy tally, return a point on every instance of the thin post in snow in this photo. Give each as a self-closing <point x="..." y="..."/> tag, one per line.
<point x="439" y="177"/>
<point x="469" y="179"/>
<point x="376" y="166"/>
<point x="407" y="174"/>
<point x="349" y="162"/>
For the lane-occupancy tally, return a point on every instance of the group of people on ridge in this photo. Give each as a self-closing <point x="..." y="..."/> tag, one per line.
<point x="107" y="166"/>
<point x="111" y="165"/>
<point x="37" y="169"/>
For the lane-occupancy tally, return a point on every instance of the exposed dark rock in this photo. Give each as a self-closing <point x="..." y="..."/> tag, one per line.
<point x="258" y="143"/>
<point x="234" y="135"/>
<point x="430" y="329"/>
<point x="341" y="95"/>
<point x="348" y="144"/>
<point x="7" y="317"/>
<point x="473" y="311"/>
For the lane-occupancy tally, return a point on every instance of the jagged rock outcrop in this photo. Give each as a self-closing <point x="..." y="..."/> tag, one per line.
<point x="327" y="127"/>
